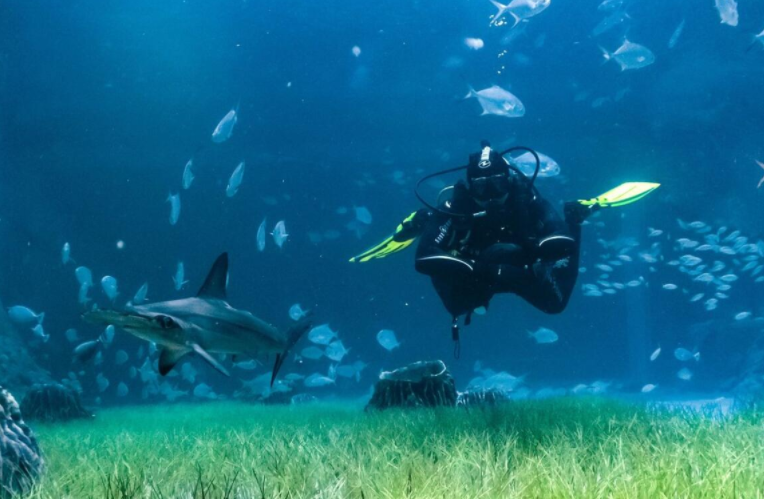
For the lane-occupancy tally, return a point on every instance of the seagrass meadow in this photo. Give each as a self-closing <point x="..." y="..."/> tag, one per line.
<point x="565" y="447"/>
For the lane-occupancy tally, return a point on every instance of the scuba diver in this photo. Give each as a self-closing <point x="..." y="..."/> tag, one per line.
<point x="497" y="234"/>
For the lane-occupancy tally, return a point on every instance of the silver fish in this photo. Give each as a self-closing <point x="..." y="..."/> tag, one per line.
<point x="174" y="200"/>
<point x="235" y="181"/>
<point x="224" y="129"/>
<point x="497" y="101"/>
<point x="261" y="235"/>
<point x="279" y="234"/>
<point x="727" y="11"/>
<point x="179" y="277"/>
<point x="188" y="174"/>
<point x="66" y="254"/>
<point x="675" y="35"/>
<point x="526" y="162"/>
<point x="630" y="56"/>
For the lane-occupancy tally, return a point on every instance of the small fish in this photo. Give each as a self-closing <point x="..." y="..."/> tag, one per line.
<point x="684" y="355"/>
<point x="235" y="181"/>
<point x="648" y="388"/>
<point x="742" y="316"/>
<point x="356" y="50"/>
<point x="261" y="236"/>
<point x="312" y="352"/>
<point x="224" y="129"/>
<point x="497" y="101"/>
<point x="102" y="382"/>
<point x="718" y="266"/>
<point x="519" y="10"/>
<point x="684" y="374"/>
<point x="120" y="357"/>
<point x="40" y="333"/>
<point x="630" y="56"/>
<point x="526" y="163"/>
<point x="604" y="268"/>
<point x="71" y="335"/>
<point x="188" y="174"/>
<point x="86" y="351"/>
<point x="174" y="200"/>
<point x="178" y="278"/>
<point x="336" y="351"/>
<point x="140" y="295"/>
<point x="729" y="278"/>
<point x="322" y="335"/>
<point x="675" y="35"/>
<point x="705" y="277"/>
<point x="670" y="286"/>
<point x="82" y="296"/>
<point x="84" y="276"/>
<point x="66" y="254"/>
<point x="690" y="260"/>
<point x="761" y="182"/>
<point x="387" y="339"/>
<point x="697" y="297"/>
<point x="727" y="12"/>
<point x="655" y="354"/>
<point x="188" y="373"/>
<point x="122" y="390"/>
<point x="685" y="243"/>
<point x="474" y="43"/>
<point x="279" y="234"/>
<point x="296" y="312"/>
<point x="109" y="286"/>
<point x="363" y="215"/>
<point x="203" y="391"/>
<point x="22" y="315"/>
<point x="543" y="335"/>
<point x="316" y="380"/>
<point x="249" y="365"/>
<point x="108" y="335"/>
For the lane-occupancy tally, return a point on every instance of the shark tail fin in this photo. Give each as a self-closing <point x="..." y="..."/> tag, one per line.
<point x="293" y="335"/>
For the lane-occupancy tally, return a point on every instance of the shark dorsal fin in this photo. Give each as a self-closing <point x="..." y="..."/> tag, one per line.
<point x="215" y="285"/>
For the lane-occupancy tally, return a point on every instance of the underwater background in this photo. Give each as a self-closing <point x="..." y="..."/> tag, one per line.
<point x="343" y="105"/>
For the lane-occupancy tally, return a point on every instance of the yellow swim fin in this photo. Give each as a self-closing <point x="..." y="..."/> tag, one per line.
<point x="405" y="234"/>
<point x="622" y="195"/>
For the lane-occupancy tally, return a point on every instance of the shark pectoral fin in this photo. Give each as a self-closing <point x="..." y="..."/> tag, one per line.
<point x="168" y="357"/>
<point x="201" y="352"/>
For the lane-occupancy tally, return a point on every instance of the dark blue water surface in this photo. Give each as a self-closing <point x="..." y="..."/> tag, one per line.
<point x="103" y="102"/>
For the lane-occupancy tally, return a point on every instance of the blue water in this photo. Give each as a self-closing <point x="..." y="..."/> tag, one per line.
<point x="103" y="103"/>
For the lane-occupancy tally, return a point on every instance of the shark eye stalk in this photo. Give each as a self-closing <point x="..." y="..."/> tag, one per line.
<point x="165" y="322"/>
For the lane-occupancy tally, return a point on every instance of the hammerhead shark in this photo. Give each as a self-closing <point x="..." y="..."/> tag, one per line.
<point x="204" y="324"/>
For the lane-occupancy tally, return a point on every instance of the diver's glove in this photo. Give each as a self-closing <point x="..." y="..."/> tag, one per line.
<point x="576" y="213"/>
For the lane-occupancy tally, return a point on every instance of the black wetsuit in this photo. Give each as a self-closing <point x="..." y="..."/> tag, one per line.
<point x="522" y="246"/>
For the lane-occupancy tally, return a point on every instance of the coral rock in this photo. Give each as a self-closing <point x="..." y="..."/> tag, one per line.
<point x="421" y="384"/>
<point x="20" y="461"/>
